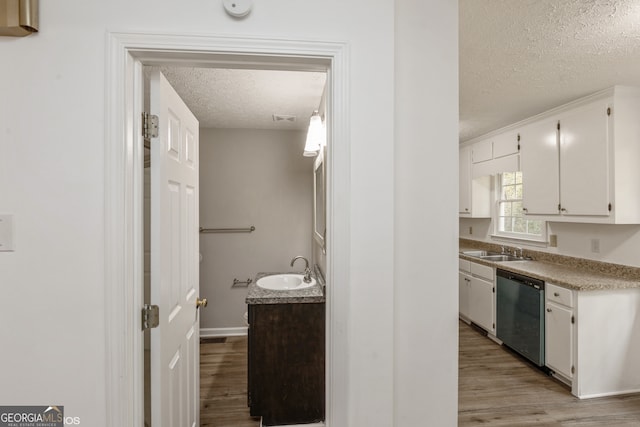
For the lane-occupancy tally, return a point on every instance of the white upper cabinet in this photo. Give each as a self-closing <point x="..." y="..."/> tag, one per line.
<point x="539" y="163"/>
<point x="579" y="161"/>
<point x="506" y="144"/>
<point x="474" y="196"/>
<point x="464" y="171"/>
<point x="584" y="159"/>
<point x="481" y="151"/>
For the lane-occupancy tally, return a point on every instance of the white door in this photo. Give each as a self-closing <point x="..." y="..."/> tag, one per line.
<point x="174" y="260"/>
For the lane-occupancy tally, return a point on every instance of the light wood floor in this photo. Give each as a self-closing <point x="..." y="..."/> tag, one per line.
<point x="223" y="384"/>
<point x="497" y="388"/>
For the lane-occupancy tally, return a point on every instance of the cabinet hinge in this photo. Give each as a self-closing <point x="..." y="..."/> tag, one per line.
<point x="573" y="369"/>
<point x="608" y="111"/>
<point x="493" y="289"/>
<point x="609" y="207"/>
<point x="558" y="125"/>
<point x="573" y="319"/>
<point x="494" y="325"/>
<point x="559" y="207"/>
<point x="150" y="316"/>
<point x="149" y="126"/>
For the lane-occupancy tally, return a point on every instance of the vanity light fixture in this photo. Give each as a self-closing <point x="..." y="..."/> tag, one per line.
<point x="315" y="136"/>
<point x="18" y="18"/>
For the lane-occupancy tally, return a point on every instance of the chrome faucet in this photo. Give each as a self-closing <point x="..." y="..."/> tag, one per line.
<point x="307" y="270"/>
<point x="515" y="252"/>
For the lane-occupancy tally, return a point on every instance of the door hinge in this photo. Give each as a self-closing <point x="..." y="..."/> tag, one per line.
<point x="150" y="316"/>
<point x="573" y="319"/>
<point x="609" y="207"/>
<point x="518" y="142"/>
<point x="608" y="111"/>
<point x="149" y="126"/>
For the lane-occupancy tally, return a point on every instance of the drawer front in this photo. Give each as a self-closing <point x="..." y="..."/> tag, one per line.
<point x="482" y="271"/>
<point x="464" y="265"/>
<point x="559" y="295"/>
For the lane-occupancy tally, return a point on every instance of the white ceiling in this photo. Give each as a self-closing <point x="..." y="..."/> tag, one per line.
<point x="247" y="99"/>
<point x="519" y="58"/>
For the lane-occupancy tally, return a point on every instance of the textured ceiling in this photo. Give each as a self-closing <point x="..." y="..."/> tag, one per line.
<point x="519" y="58"/>
<point x="247" y="99"/>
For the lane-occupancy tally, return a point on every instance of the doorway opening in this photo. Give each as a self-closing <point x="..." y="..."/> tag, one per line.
<point x="128" y="54"/>
<point x="252" y="172"/>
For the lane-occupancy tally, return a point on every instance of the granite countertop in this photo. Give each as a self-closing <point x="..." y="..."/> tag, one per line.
<point x="575" y="277"/>
<point x="258" y="295"/>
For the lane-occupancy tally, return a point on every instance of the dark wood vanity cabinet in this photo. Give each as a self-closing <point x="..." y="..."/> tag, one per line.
<point x="286" y="383"/>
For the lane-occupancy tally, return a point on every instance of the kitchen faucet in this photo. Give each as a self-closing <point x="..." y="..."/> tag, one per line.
<point x="515" y="252"/>
<point x="307" y="270"/>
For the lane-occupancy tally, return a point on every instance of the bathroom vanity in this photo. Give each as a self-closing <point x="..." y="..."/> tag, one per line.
<point x="286" y="356"/>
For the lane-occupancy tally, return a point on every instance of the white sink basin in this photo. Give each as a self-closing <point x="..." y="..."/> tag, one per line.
<point x="284" y="282"/>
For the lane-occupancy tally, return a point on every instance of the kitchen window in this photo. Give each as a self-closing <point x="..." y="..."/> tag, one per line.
<point x="511" y="221"/>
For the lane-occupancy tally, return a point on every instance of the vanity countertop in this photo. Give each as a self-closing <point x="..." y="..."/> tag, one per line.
<point x="258" y="295"/>
<point x="574" y="277"/>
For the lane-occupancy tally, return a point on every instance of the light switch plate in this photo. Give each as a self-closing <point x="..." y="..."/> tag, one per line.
<point x="6" y="233"/>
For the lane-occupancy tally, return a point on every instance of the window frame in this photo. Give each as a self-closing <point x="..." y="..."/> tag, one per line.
<point x="497" y="217"/>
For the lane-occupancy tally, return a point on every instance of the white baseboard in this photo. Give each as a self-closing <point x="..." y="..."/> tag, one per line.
<point x="223" y="332"/>
<point x="297" y="425"/>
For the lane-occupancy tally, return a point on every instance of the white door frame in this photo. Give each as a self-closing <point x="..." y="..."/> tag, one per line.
<point x="126" y="54"/>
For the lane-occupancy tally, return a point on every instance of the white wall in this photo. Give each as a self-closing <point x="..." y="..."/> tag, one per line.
<point x="250" y="177"/>
<point x="52" y="178"/>
<point x="426" y="202"/>
<point x="619" y="244"/>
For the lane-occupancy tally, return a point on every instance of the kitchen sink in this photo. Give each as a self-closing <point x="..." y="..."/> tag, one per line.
<point x="501" y="257"/>
<point x="492" y="256"/>
<point x="480" y="254"/>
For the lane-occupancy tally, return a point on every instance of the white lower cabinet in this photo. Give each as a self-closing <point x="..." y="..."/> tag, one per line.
<point x="464" y="282"/>
<point x="559" y="331"/>
<point x="477" y="302"/>
<point x="482" y="304"/>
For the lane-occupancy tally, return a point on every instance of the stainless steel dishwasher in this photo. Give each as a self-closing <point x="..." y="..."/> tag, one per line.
<point x="520" y="314"/>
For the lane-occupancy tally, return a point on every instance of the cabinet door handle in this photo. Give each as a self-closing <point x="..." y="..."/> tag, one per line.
<point x="548" y="310"/>
<point x="555" y="294"/>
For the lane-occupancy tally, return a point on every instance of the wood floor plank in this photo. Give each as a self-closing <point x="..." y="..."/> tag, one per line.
<point x="498" y="388"/>
<point x="223" y="384"/>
